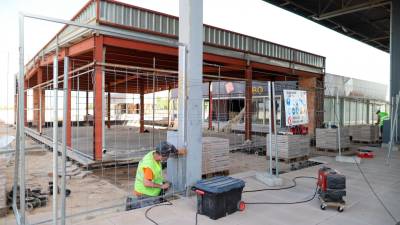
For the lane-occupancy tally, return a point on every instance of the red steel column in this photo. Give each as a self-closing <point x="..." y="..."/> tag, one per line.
<point x="87" y="107"/>
<point x="37" y="95"/>
<point x="26" y="103"/>
<point x="248" y="102"/>
<point x="108" y="109"/>
<point x="98" y="103"/>
<point x="210" y="107"/>
<point x="141" y="107"/>
<point x="68" y="119"/>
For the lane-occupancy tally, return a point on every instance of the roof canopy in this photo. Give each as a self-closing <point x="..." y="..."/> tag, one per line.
<point x="365" y="20"/>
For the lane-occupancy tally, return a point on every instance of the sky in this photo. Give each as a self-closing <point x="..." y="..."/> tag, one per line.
<point x="345" y="56"/>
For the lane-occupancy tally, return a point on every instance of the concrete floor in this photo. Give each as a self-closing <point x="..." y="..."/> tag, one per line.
<point x="362" y="207"/>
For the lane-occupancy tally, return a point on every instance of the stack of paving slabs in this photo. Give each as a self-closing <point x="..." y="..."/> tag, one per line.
<point x="3" y="186"/>
<point x="290" y="146"/>
<point x="215" y="155"/>
<point x="326" y="138"/>
<point x="365" y="133"/>
<point x="72" y="171"/>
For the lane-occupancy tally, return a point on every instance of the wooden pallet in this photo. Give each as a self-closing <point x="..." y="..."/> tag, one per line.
<point x="332" y="150"/>
<point x="366" y="141"/>
<point x="292" y="160"/>
<point x="3" y="212"/>
<point x="217" y="173"/>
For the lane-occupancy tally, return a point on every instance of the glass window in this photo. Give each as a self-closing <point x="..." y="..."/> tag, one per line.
<point x="353" y="112"/>
<point x="259" y="113"/>
<point x="359" y="113"/>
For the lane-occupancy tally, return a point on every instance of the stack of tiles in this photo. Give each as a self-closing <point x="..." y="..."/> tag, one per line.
<point x="326" y="138"/>
<point x="290" y="146"/>
<point x="215" y="155"/>
<point x="365" y="133"/>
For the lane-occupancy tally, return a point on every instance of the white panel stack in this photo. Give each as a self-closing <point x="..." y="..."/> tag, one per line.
<point x="291" y="146"/>
<point x="215" y="155"/>
<point x="3" y="186"/>
<point x="367" y="133"/>
<point x="326" y="138"/>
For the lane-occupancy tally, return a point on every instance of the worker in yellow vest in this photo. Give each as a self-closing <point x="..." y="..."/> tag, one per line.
<point x="382" y="116"/>
<point x="149" y="182"/>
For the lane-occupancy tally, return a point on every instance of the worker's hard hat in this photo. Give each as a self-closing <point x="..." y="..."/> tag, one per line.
<point x="165" y="149"/>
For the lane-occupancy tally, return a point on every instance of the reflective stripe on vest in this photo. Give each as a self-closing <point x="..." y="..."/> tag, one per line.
<point x="148" y="162"/>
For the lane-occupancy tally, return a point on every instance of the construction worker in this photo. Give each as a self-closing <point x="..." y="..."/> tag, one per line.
<point x="149" y="182"/>
<point x="381" y="117"/>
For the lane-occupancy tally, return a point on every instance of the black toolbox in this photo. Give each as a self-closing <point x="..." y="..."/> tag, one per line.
<point x="219" y="196"/>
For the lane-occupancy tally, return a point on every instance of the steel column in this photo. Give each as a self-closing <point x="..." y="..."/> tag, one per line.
<point x="68" y="107"/>
<point x="210" y="107"/>
<point x="248" y="103"/>
<point x="38" y="102"/>
<point x="25" y="103"/>
<point x="141" y="109"/>
<point x="191" y="76"/>
<point x="55" y="137"/>
<point x="98" y="100"/>
<point x="87" y="105"/>
<point x="66" y="100"/>
<point x="108" y="109"/>
<point x="395" y="54"/>
<point x="21" y="123"/>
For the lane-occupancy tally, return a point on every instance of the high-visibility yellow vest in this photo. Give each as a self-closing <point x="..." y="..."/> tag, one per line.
<point x="383" y="116"/>
<point x="149" y="162"/>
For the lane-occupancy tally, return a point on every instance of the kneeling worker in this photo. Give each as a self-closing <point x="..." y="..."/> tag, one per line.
<point x="149" y="182"/>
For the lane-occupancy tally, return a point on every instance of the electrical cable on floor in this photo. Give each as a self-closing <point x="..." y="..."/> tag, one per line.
<point x="148" y="210"/>
<point x="373" y="191"/>
<point x="284" y="188"/>
<point x="251" y="203"/>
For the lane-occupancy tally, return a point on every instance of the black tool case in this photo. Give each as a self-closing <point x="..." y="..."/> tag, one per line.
<point x="218" y="196"/>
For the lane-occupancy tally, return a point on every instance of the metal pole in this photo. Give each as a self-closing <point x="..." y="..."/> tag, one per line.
<point x="154" y="97"/>
<point x="338" y="124"/>
<point x="275" y="133"/>
<point x="168" y="107"/>
<point x="103" y="102"/>
<point x="393" y="123"/>
<point x="21" y="115"/>
<point x="270" y="128"/>
<point x="219" y="95"/>
<point x="55" y="137"/>
<point x="64" y="140"/>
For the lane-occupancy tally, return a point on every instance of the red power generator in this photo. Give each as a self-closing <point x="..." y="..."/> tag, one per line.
<point x="331" y="188"/>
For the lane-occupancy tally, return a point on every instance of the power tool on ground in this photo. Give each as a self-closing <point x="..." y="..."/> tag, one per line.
<point x="331" y="188"/>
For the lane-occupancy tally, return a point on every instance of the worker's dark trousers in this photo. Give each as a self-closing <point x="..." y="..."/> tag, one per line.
<point x="136" y="202"/>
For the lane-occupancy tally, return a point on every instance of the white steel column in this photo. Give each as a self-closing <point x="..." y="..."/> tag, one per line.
<point x="55" y="136"/>
<point x="395" y="55"/>
<point x="21" y="126"/>
<point x="190" y="78"/>
<point x="64" y="140"/>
